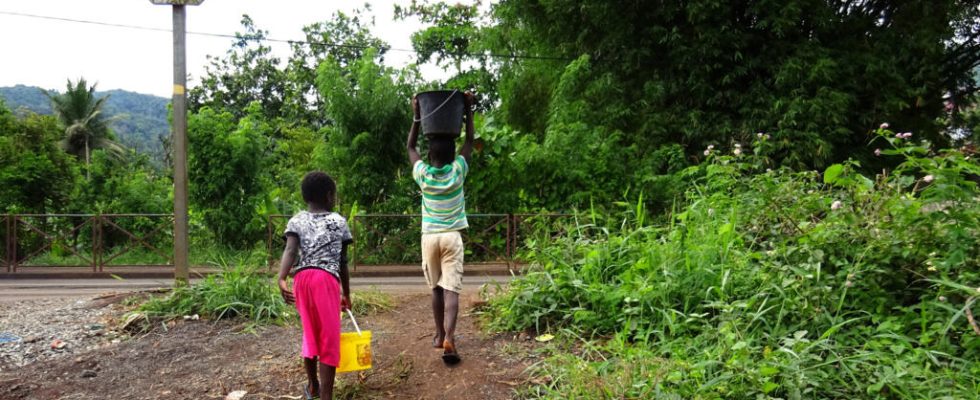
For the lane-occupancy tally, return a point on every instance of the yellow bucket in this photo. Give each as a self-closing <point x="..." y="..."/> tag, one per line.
<point x="355" y="349"/>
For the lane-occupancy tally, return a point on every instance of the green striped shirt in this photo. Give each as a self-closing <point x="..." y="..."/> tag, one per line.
<point x="443" y="203"/>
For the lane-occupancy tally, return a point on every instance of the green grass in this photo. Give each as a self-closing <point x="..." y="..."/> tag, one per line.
<point x="762" y="285"/>
<point x="237" y="291"/>
<point x="242" y="290"/>
<point x="370" y="301"/>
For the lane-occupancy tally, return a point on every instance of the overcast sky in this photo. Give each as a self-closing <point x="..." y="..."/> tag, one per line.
<point x="45" y="53"/>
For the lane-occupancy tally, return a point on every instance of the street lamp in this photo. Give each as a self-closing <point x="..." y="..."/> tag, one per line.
<point x="179" y="137"/>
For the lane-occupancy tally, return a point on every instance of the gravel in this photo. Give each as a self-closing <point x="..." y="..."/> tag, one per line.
<point x="34" y="330"/>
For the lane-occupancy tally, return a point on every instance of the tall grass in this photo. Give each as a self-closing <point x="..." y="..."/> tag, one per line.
<point x="243" y="289"/>
<point x="240" y="290"/>
<point x="763" y="285"/>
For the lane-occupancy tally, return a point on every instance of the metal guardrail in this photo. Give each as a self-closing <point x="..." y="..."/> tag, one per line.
<point x="96" y="241"/>
<point x="394" y="239"/>
<point x="86" y="240"/>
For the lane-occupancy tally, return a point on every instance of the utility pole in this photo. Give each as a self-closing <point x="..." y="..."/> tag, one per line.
<point x="179" y="140"/>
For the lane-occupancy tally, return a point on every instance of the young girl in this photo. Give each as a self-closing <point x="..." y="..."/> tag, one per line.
<point x="321" y="237"/>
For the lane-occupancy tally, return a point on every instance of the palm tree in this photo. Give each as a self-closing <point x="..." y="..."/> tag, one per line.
<point x="86" y="127"/>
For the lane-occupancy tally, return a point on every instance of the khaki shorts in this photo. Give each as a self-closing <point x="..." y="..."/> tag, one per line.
<point x="442" y="260"/>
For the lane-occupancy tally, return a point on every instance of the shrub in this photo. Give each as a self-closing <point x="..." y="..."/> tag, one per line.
<point x="778" y="283"/>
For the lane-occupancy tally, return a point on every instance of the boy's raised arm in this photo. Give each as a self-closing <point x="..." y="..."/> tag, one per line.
<point x="467" y="149"/>
<point x="413" y="134"/>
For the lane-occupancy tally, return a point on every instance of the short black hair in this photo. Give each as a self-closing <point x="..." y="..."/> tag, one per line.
<point x="442" y="149"/>
<point x="319" y="189"/>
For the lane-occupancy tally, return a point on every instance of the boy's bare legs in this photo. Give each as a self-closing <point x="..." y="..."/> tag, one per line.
<point x="327" y="374"/>
<point x="452" y="309"/>
<point x="438" y="311"/>
<point x="314" y="384"/>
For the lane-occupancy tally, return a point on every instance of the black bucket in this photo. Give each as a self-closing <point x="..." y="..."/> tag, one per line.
<point x="441" y="112"/>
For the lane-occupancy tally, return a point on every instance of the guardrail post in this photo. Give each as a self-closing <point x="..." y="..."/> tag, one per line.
<point x="13" y="243"/>
<point x="509" y="250"/>
<point x="353" y="248"/>
<point x="97" y="243"/>
<point x="7" y="221"/>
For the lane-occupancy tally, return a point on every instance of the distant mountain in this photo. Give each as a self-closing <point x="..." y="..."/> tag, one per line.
<point x="138" y="120"/>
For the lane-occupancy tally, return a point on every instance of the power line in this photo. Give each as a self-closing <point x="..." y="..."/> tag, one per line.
<point x="274" y="40"/>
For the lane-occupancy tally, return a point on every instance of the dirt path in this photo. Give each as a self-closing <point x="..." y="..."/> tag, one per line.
<point x="201" y="359"/>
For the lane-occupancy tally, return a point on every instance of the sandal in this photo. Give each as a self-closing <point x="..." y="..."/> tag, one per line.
<point x="450" y="356"/>
<point x="306" y="392"/>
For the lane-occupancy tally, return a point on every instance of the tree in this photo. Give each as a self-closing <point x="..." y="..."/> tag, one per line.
<point x="248" y="73"/>
<point x="369" y="105"/>
<point x="35" y="175"/>
<point x="285" y="91"/>
<point x="86" y="127"/>
<point x="345" y="39"/>
<point x="818" y="75"/>
<point x="457" y="40"/>
<point x="228" y="172"/>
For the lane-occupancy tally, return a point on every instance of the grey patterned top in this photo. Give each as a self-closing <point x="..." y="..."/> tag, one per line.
<point x="321" y="239"/>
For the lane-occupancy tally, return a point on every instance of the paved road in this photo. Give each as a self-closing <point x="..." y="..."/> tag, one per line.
<point x="21" y="289"/>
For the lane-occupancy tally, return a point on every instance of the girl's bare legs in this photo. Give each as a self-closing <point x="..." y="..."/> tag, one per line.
<point x="327" y="374"/>
<point x="311" y="376"/>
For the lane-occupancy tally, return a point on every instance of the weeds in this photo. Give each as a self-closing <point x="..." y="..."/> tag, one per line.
<point x="237" y="291"/>
<point x="241" y="290"/>
<point x="370" y="301"/>
<point x="767" y="284"/>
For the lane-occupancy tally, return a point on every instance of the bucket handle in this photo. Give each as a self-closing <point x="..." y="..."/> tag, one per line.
<point x="354" y="321"/>
<point x="435" y="111"/>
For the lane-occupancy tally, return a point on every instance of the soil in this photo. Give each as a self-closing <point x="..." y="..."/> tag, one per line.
<point x="187" y="359"/>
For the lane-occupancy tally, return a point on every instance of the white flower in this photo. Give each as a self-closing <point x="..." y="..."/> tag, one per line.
<point x="942" y="298"/>
<point x="766" y="136"/>
<point x="707" y="152"/>
<point x="884" y="125"/>
<point x="737" y="152"/>
<point x="836" y="205"/>
<point x="932" y="268"/>
<point x="928" y="178"/>
<point x="759" y="135"/>
<point x="877" y="152"/>
<point x="738" y="146"/>
<point x="711" y="147"/>
<point x="848" y="284"/>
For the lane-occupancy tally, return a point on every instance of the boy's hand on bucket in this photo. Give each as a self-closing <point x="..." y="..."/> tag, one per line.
<point x="345" y="302"/>
<point x="469" y="100"/>
<point x="415" y="108"/>
<point x="287" y="295"/>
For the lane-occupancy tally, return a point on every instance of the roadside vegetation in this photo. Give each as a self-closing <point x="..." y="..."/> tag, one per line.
<point x="768" y="283"/>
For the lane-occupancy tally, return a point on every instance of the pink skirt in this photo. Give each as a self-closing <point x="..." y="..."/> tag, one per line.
<point x="318" y="303"/>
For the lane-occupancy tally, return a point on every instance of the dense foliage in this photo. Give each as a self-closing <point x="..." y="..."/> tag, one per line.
<point x="772" y="283"/>
<point x="655" y="83"/>
<point x="35" y="174"/>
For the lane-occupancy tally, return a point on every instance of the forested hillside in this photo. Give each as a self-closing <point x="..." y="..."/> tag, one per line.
<point x="138" y="120"/>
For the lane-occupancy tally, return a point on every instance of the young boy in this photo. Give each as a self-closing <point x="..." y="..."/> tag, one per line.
<point x="321" y="237"/>
<point x="443" y="216"/>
